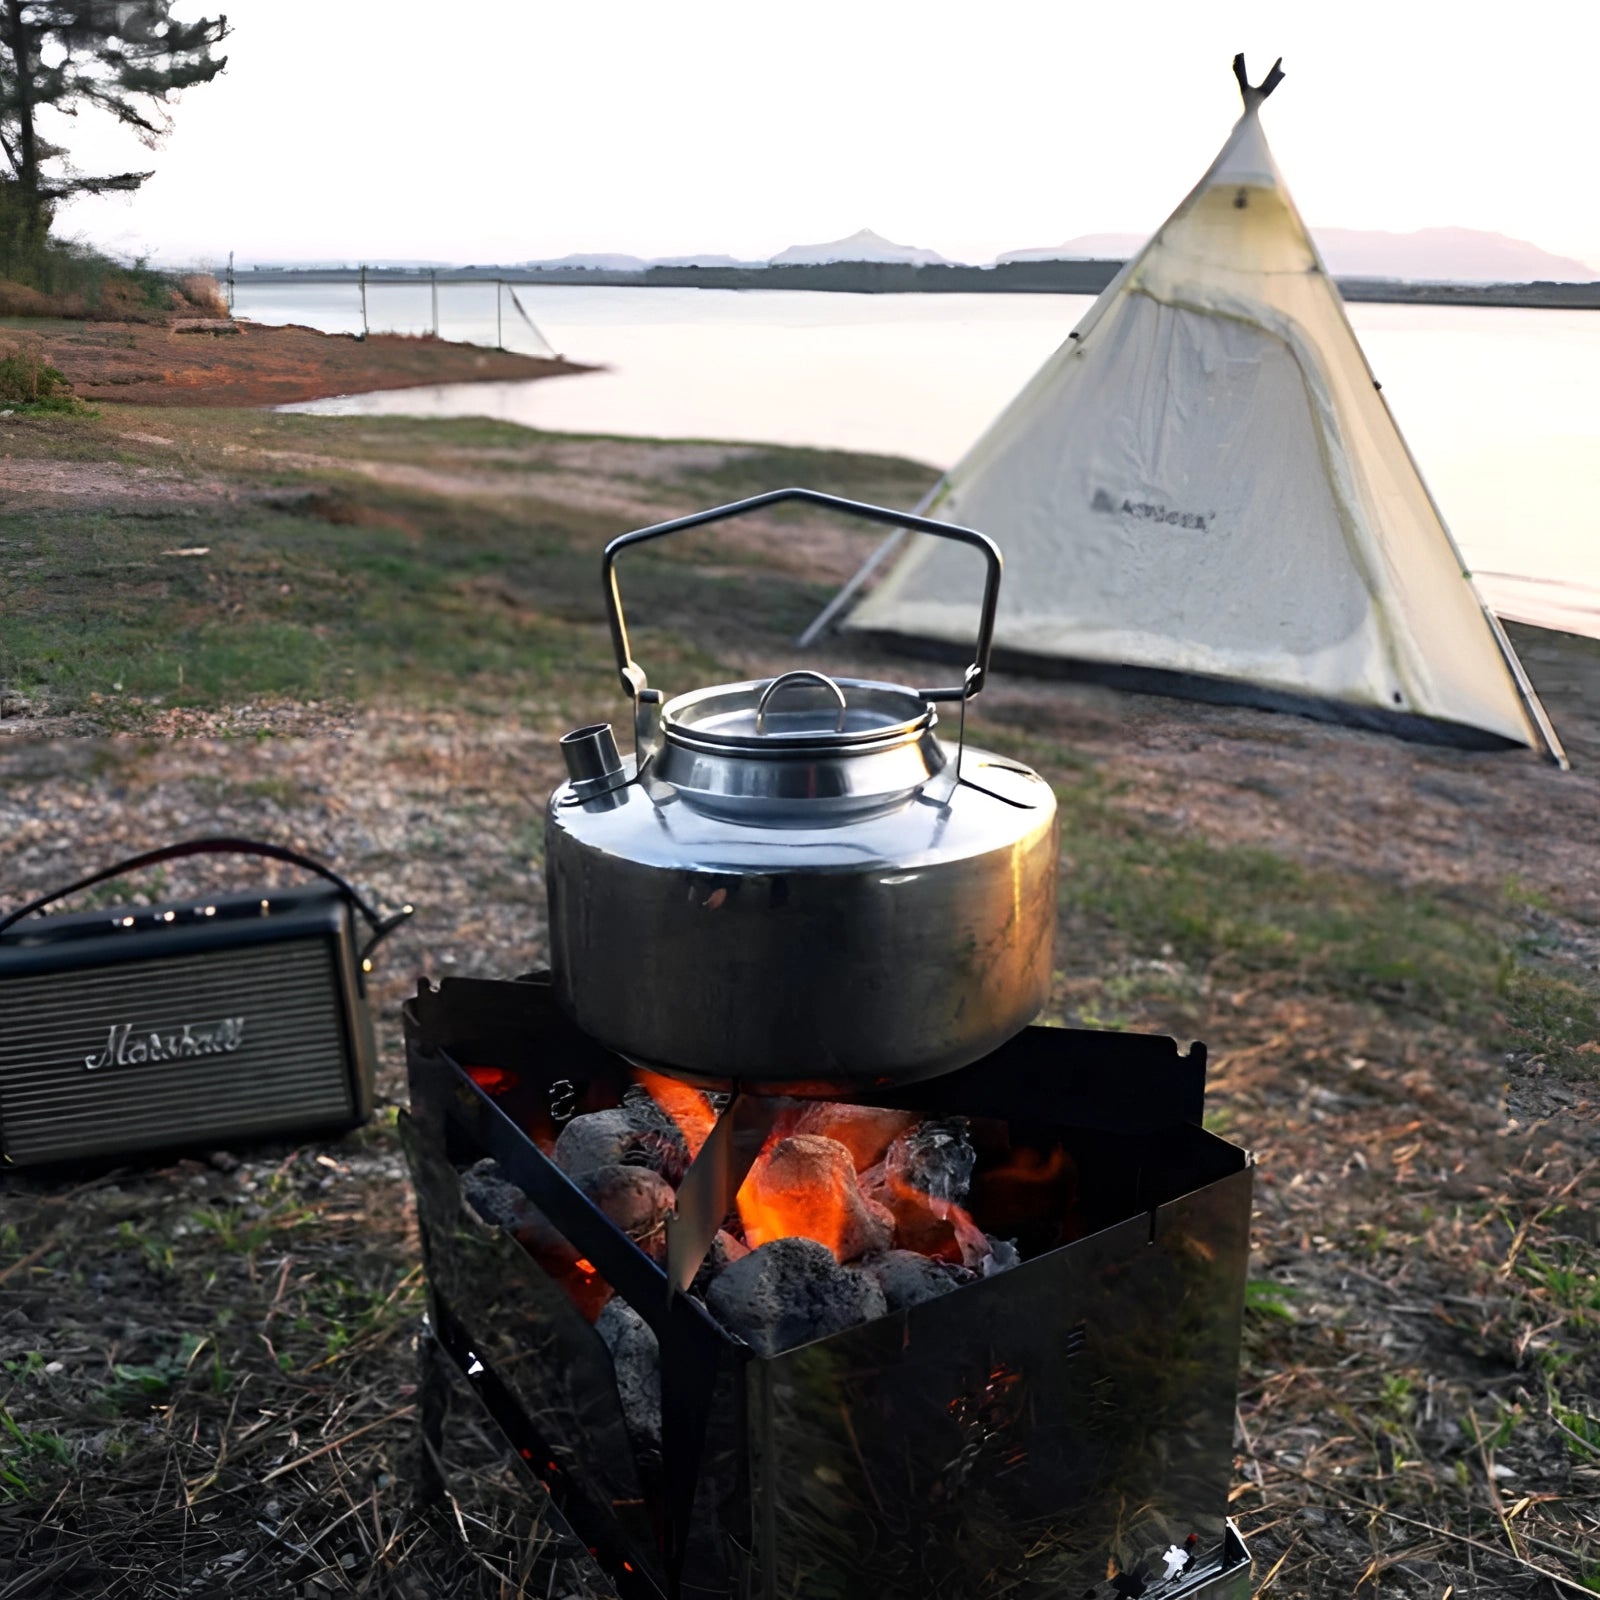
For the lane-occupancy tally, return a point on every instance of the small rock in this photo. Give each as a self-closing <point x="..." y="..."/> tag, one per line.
<point x="1003" y="1256"/>
<point x="632" y="1135"/>
<point x="865" y="1131"/>
<point x="790" y="1292"/>
<point x="636" y="1356"/>
<point x="806" y="1186"/>
<point x="500" y="1203"/>
<point x="493" y="1196"/>
<point x="637" y="1200"/>
<point x="724" y="1251"/>
<point x="908" y="1279"/>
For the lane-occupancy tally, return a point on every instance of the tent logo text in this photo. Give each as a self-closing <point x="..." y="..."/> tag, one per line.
<point x="1150" y="512"/>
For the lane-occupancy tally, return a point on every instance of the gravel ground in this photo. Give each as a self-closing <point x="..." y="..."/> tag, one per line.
<point x="1404" y="1175"/>
<point x="206" y="1367"/>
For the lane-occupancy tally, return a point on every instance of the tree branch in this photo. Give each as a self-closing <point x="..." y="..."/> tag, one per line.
<point x="126" y="58"/>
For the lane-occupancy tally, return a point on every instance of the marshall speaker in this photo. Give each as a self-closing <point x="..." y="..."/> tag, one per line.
<point x="191" y="1024"/>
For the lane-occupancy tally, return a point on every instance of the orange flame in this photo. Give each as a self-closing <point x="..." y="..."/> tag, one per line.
<point x="687" y="1106"/>
<point x="824" y="1198"/>
<point x="1028" y="1186"/>
<point x="806" y="1187"/>
<point x="938" y="1228"/>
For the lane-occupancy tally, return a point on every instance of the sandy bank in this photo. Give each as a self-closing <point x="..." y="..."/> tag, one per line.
<point x="254" y="364"/>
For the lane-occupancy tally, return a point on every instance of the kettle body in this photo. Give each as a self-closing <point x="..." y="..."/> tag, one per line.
<point x="796" y="885"/>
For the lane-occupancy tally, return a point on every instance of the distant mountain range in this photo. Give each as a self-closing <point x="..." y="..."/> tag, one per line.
<point x="863" y="245"/>
<point x="1430" y="255"/>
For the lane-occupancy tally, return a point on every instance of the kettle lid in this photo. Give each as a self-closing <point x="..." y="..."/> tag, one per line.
<point x="799" y="748"/>
<point x="802" y="712"/>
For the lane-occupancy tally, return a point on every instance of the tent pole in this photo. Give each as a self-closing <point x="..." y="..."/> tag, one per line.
<point x="848" y="593"/>
<point x="1531" y="702"/>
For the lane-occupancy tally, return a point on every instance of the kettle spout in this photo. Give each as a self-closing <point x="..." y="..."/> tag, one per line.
<point x="593" y="761"/>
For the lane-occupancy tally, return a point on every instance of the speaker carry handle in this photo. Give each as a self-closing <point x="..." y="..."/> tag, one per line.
<point x="381" y="926"/>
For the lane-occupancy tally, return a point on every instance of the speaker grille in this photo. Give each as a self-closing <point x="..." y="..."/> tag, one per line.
<point x="245" y="1041"/>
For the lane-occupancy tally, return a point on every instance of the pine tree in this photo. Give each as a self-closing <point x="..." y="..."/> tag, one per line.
<point x="126" y="58"/>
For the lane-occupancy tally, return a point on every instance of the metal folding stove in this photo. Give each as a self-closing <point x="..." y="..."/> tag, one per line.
<point x="1060" y="1429"/>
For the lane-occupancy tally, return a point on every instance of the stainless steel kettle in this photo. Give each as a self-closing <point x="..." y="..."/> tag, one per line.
<point x="794" y="884"/>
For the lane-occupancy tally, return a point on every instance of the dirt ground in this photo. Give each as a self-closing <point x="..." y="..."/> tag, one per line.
<point x="207" y="1365"/>
<point x="194" y="362"/>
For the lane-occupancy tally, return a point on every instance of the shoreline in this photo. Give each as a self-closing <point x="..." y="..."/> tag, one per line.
<point x="248" y="364"/>
<point x="245" y="363"/>
<point x="1088" y="277"/>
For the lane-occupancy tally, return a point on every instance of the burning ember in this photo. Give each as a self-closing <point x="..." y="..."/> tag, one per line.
<point x="857" y="1179"/>
<point x="848" y="1211"/>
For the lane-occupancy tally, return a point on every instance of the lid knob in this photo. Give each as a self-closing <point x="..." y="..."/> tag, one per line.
<point x="785" y="680"/>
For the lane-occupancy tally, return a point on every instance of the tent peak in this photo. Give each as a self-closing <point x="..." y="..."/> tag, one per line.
<point x="1254" y="94"/>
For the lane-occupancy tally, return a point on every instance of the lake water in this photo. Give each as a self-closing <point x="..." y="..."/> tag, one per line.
<point x="1500" y="407"/>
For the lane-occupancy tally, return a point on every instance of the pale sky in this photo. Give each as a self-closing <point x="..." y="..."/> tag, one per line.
<point x="503" y="130"/>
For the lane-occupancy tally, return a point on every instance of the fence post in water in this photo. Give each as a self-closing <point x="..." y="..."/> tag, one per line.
<point x="434" y="275"/>
<point x="499" y="330"/>
<point x="363" y="299"/>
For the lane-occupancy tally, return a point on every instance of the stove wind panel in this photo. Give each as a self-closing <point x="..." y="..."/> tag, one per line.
<point x="1026" y="1435"/>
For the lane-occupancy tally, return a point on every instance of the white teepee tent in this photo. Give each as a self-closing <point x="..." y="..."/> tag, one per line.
<point x="1202" y="491"/>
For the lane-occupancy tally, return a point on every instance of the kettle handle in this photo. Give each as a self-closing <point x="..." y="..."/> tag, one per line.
<point x="633" y="677"/>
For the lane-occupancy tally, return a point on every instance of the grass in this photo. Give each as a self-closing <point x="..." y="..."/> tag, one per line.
<point x="30" y="386"/>
<point x="1254" y="910"/>
<point x="1551" y="1016"/>
<point x="1232" y="912"/>
<point x="855" y="477"/>
<point x="317" y="583"/>
<point x="1423" y="1305"/>
<point x="48" y="276"/>
<point x="322" y="583"/>
<point x="299" y="608"/>
<point x="178" y="1410"/>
